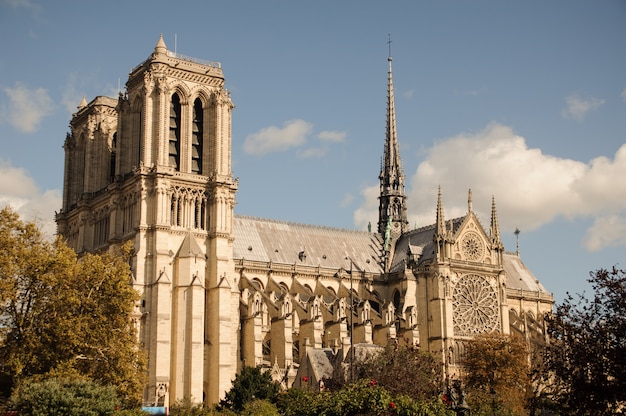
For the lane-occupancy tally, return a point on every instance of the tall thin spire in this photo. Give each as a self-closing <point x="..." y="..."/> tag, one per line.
<point x="392" y="199"/>
<point x="441" y="222"/>
<point x="495" y="226"/>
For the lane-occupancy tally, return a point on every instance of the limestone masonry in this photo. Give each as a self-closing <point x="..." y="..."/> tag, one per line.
<point x="220" y="291"/>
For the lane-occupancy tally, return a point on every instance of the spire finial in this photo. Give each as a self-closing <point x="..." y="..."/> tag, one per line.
<point x="516" y="232"/>
<point x="389" y="43"/>
<point x="160" y="46"/>
<point x="469" y="200"/>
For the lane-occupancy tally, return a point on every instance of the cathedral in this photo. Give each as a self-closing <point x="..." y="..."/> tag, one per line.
<point x="220" y="291"/>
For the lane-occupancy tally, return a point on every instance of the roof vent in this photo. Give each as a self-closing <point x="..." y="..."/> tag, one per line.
<point x="302" y="255"/>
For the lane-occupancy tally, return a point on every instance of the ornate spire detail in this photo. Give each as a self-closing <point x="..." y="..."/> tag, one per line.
<point x="392" y="199"/>
<point x="469" y="200"/>
<point x="495" y="227"/>
<point x="441" y="222"/>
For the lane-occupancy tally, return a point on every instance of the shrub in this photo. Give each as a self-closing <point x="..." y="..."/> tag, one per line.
<point x="62" y="397"/>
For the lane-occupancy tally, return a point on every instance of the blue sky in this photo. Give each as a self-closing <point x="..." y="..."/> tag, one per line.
<point x="525" y="101"/>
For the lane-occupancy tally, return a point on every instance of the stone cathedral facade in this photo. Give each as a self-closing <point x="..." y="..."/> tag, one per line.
<point x="220" y="291"/>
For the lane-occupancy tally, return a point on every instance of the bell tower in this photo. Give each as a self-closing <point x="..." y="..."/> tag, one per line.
<point x="154" y="166"/>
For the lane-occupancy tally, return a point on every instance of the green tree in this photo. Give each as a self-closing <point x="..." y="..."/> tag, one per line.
<point x="496" y="374"/>
<point x="404" y="370"/>
<point x="250" y="384"/>
<point x="56" y="397"/>
<point x="587" y="352"/>
<point x="362" y="398"/>
<point x="61" y="315"/>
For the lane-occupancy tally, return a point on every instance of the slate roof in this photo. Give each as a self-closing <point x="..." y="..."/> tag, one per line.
<point x="265" y="240"/>
<point x="518" y="276"/>
<point x="268" y="240"/>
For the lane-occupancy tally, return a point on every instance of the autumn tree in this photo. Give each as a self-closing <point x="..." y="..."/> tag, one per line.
<point x="587" y="352"/>
<point x="496" y="373"/>
<point x="404" y="370"/>
<point x="61" y="315"/>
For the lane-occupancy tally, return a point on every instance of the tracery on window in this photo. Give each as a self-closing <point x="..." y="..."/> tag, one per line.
<point x="475" y="306"/>
<point x="188" y="208"/>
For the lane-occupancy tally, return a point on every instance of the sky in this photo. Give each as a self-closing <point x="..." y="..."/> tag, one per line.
<point x="524" y="102"/>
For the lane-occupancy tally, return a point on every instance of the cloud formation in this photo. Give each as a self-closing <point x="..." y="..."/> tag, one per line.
<point x="531" y="188"/>
<point x="577" y="107"/>
<point x="293" y="134"/>
<point x="27" y="107"/>
<point x="274" y="139"/>
<point x="332" y="136"/>
<point x="19" y="191"/>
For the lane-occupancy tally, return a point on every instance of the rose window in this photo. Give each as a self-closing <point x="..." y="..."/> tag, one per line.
<point x="475" y="306"/>
<point x="472" y="246"/>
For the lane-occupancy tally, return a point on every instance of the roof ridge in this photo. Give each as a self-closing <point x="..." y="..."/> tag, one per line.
<point x="315" y="226"/>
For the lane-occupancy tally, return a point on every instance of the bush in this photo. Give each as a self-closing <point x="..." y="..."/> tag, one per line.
<point x="365" y="397"/>
<point x="259" y="408"/>
<point x="59" y="397"/>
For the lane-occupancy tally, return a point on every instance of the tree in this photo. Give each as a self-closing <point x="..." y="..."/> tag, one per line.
<point x="496" y="373"/>
<point x="587" y="352"/>
<point x="404" y="370"/>
<point x="61" y="315"/>
<point x="250" y="384"/>
<point x="54" y="397"/>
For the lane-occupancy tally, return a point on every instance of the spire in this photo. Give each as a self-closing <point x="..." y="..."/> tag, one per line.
<point x="441" y="222"/>
<point x="392" y="200"/>
<point x="469" y="200"/>
<point x="495" y="226"/>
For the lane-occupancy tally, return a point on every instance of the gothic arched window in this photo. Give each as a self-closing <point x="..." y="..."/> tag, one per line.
<point x="196" y="137"/>
<point x="112" y="158"/>
<point x="174" y="139"/>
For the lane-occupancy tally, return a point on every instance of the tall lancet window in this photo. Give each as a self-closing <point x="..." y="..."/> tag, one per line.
<point x="174" y="139"/>
<point x="112" y="158"/>
<point x="196" y="137"/>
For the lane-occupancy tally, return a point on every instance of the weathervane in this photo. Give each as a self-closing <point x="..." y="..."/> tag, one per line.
<point x="389" y="43"/>
<point x="516" y="232"/>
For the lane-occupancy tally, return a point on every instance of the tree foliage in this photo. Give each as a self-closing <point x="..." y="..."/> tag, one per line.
<point x="497" y="365"/>
<point x="361" y="398"/>
<point x="55" y="397"/>
<point x="404" y="370"/>
<point x="61" y="315"/>
<point x="587" y="352"/>
<point x="250" y="384"/>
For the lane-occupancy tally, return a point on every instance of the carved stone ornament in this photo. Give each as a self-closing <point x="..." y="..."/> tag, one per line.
<point x="475" y="306"/>
<point x="472" y="246"/>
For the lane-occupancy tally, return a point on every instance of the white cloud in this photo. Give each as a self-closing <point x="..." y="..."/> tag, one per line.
<point x="347" y="200"/>
<point x="606" y="232"/>
<point x="311" y="152"/>
<point x="531" y="188"/>
<point x="333" y="136"/>
<point x="18" y="190"/>
<point x="24" y="4"/>
<point x="577" y="107"/>
<point x="274" y="139"/>
<point x="27" y="107"/>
